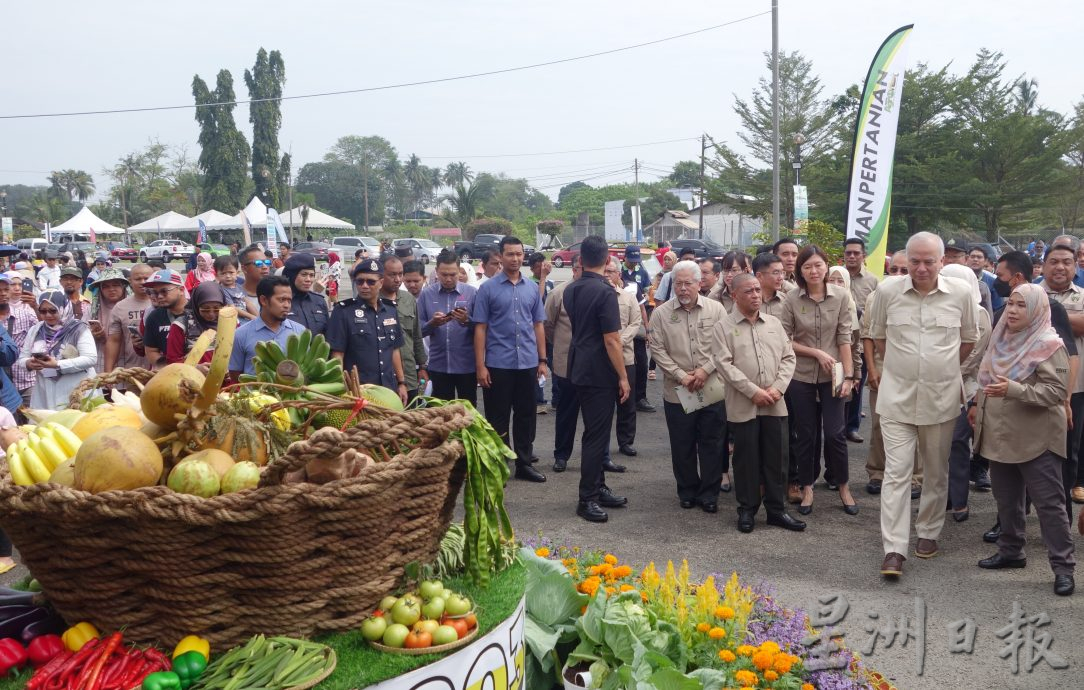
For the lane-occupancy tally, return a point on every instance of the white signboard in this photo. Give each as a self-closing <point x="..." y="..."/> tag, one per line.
<point x="492" y="662"/>
<point x="615" y="229"/>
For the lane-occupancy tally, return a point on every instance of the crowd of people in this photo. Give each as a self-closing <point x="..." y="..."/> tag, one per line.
<point x="971" y="363"/>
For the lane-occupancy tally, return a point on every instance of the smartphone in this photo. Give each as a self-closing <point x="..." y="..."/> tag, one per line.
<point x="94" y="322"/>
<point x="40" y="355"/>
<point x="28" y="285"/>
<point x="133" y="330"/>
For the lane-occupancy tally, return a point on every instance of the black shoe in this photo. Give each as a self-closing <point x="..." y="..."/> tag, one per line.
<point x="710" y="507"/>
<point x="530" y="474"/>
<point x="745" y="520"/>
<point x="591" y="512"/>
<point x="916" y="491"/>
<point x="687" y="504"/>
<point x="786" y="522"/>
<point x="608" y="499"/>
<point x="851" y="509"/>
<point x="874" y="487"/>
<point x="609" y="466"/>
<point x="805" y="510"/>
<point x="628" y="450"/>
<point x="643" y="405"/>
<point x="998" y="562"/>
<point x="853" y="437"/>
<point x="991" y="535"/>
<point x="534" y="459"/>
<point x="982" y="482"/>
<point x="560" y="464"/>
<point x="961" y="515"/>
<point x="1064" y="585"/>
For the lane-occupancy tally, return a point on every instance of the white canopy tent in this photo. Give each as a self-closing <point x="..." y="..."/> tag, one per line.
<point x="316" y="219"/>
<point x="84" y="222"/>
<point x="211" y="218"/>
<point x="256" y="213"/>
<point x="170" y="221"/>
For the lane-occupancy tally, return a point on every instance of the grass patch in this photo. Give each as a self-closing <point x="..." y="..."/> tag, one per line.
<point x="360" y="665"/>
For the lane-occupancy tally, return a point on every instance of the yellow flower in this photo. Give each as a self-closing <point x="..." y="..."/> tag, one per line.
<point x="622" y="571"/>
<point x="610" y="559"/>
<point x="727" y="655"/>
<point x="771" y="676"/>
<point x="746" y="678"/>
<point x="748" y="688"/>
<point x="762" y="660"/>
<point x="746" y="650"/>
<point x="627" y="588"/>
<point x="724" y="612"/>
<point x="716" y="633"/>
<point x="610" y="590"/>
<point x="542" y="552"/>
<point x="702" y="627"/>
<point x="808" y="686"/>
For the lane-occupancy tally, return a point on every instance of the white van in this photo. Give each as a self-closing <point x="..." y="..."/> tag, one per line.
<point x="31" y="244"/>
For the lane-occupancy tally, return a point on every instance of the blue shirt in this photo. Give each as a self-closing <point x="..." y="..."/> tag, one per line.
<point x="256" y="331"/>
<point x="636" y="275"/>
<point x="510" y="311"/>
<point x="451" y="346"/>
<point x="9" y="353"/>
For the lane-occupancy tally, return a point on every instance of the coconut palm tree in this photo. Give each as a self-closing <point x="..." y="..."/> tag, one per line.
<point x="457" y="174"/>
<point x="82" y="184"/>
<point x="1027" y="94"/>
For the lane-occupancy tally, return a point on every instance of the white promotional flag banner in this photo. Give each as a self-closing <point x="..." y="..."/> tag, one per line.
<point x="246" y="229"/>
<point x="869" y="199"/>
<point x="274" y="220"/>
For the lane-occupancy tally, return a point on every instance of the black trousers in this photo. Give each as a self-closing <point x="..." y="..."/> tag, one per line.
<point x="694" y="450"/>
<point x="804" y="399"/>
<point x="626" y="414"/>
<point x="597" y="408"/>
<point x="960" y="462"/>
<point x="510" y="398"/>
<point x="1069" y="465"/>
<point x="789" y="444"/>
<point x="568" y="412"/>
<point x="758" y="459"/>
<point x="854" y="407"/>
<point x="455" y="386"/>
<point x="639" y="382"/>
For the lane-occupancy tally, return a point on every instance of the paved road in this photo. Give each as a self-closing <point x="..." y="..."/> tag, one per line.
<point x="837" y="553"/>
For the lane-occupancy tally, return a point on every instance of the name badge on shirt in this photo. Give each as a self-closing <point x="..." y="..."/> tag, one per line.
<point x="389" y="322"/>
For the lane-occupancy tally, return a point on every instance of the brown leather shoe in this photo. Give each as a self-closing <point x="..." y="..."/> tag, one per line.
<point x="794" y="493"/>
<point x="893" y="564"/>
<point x="1078" y="494"/>
<point x="926" y="548"/>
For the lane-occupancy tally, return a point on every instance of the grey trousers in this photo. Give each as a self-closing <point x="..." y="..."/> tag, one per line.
<point x="1041" y="480"/>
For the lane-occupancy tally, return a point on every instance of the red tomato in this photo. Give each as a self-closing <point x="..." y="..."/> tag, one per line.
<point x="418" y="640"/>
<point x="472" y="621"/>
<point x="460" y="626"/>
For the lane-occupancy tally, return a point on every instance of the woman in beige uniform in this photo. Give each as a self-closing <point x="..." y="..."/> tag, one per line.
<point x="1020" y="425"/>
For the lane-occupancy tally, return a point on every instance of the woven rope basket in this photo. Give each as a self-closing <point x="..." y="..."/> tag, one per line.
<point x="294" y="559"/>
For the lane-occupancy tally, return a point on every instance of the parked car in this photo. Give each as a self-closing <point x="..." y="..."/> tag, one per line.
<point x="705" y="249"/>
<point x="121" y="251"/>
<point x="215" y="250"/>
<point x="347" y="247"/>
<point x="317" y="249"/>
<point x="88" y="248"/>
<point x="31" y="244"/>
<point x="166" y="250"/>
<point x="423" y="250"/>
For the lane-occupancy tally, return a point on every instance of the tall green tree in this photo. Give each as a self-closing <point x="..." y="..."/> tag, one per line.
<point x="372" y="156"/>
<point x="335" y="187"/>
<point x="71" y="184"/>
<point x="457" y="173"/>
<point x="465" y="202"/>
<point x="1069" y="197"/>
<point x="265" y="82"/>
<point x="224" y="151"/>
<point x="686" y="174"/>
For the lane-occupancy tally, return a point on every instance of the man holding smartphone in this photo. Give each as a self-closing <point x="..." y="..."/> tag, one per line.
<point x="444" y="314"/>
<point x="124" y="330"/>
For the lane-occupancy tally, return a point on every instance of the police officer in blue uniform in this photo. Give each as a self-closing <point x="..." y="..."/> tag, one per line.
<point x="309" y="308"/>
<point x="364" y="332"/>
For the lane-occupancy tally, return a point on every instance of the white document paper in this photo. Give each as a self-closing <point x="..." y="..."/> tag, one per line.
<point x="712" y="392"/>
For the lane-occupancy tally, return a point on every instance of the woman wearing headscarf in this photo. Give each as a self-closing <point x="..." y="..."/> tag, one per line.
<point x="334" y="272"/>
<point x="60" y="351"/>
<point x="960" y="454"/>
<point x="200" y="314"/>
<point x="309" y="308"/>
<point x="1020" y="427"/>
<point x="665" y="291"/>
<point x="204" y="272"/>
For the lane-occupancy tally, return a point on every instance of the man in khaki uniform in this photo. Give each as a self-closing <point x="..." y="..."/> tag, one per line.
<point x="631" y="324"/>
<point x="681" y="341"/>
<point x="924" y="326"/>
<point x="756" y="360"/>
<point x="863" y="283"/>
<point x="875" y="461"/>
<point x="768" y="269"/>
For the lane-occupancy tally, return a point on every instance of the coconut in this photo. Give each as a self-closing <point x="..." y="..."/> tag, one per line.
<point x="381" y="396"/>
<point x="106" y="417"/>
<point x="194" y="477"/>
<point x="120" y="458"/>
<point x="170" y="393"/>
<point x="64" y="473"/>
<point x="217" y="459"/>
<point x="243" y="475"/>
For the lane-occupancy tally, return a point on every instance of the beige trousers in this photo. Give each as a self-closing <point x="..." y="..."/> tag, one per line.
<point x="875" y="460"/>
<point x="906" y="444"/>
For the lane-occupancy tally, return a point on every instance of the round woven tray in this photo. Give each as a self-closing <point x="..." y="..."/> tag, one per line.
<point x="436" y="649"/>
<point x="293" y="559"/>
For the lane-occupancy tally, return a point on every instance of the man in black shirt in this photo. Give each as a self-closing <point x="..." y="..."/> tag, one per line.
<point x="597" y="367"/>
<point x="166" y="290"/>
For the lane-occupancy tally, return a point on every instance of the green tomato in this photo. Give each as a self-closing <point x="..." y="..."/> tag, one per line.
<point x="407" y="610"/>
<point x="428" y="626"/>
<point x="373" y="628"/>
<point x="457" y="605"/>
<point x="430" y="588"/>
<point x="387" y="602"/>
<point x="434" y="608"/>
<point x="445" y="634"/>
<point x="395" y="635"/>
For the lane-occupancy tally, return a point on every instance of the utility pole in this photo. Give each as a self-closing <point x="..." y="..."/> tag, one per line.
<point x="703" y="153"/>
<point x="637" y="222"/>
<point x="365" y="183"/>
<point x="775" y="118"/>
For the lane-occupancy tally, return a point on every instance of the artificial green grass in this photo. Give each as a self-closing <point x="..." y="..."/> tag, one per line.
<point x="359" y="665"/>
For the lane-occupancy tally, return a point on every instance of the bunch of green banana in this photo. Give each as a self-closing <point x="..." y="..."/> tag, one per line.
<point x="34" y="458"/>
<point x="307" y="362"/>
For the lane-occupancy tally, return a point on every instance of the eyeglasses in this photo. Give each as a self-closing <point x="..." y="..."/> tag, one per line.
<point x="366" y="281"/>
<point x="897" y="270"/>
<point x="258" y="262"/>
<point x="46" y="310"/>
<point x="151" y="292"/>
<point x="773" y="274"/>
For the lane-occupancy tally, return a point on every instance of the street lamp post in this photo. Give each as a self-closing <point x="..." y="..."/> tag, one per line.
<point x="798" y="140"/>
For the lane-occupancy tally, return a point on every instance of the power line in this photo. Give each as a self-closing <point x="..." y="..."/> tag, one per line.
<point x="387" y="87"/>
<point x="558" y="153"/>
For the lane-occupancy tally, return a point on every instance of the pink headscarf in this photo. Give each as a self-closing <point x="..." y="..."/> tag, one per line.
<point x="204" y="269"/>
<point x="1015" y="355"/>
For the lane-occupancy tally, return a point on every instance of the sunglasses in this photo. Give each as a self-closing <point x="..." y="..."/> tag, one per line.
<point x="367" y="281"/>
<point x="46" y="310"/>
<point x="259" y="262"/>
<point x="151" y="292"/>
<point x="896" y="270"/>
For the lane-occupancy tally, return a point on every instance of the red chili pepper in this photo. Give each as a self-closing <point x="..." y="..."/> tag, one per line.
<point x="77" y="661"/>
<point x="154" y="654"/>
<point x="137" y="672"/>
<point x="92" y="680"/>
<point x="43" y="674"/>
<point x="114" y="670"/>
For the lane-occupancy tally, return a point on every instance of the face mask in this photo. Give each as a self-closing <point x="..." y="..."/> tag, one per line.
<point x="1002" y="288"/>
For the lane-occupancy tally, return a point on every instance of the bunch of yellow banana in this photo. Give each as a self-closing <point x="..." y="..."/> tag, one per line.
<point x="33" y="459"/>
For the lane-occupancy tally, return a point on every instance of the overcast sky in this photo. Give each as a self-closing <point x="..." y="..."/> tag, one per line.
<point x="113" y="54"/>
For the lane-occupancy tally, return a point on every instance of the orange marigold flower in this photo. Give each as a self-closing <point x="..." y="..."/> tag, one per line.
<point x="702" y="627"/>
<point x="716" y="633"/>
<point x="808" y="686"/>
<point x="627" y="588"/>
<point x="769" y="646"/>
<point x="762" y="660"/>
<point x="622" y="571"/>
<point x="782" y="664"/>
<point x="746" y="650"/>
<point x="771" y="676"/>
<point x="610" y="559"/>
<point x="610" y="590"/>
<point x="727" y="655"/>
<point x="746" y="678"/>
<point x="542" y="552"/>
<point x="643" y="596"/>
<point x="724" y="612"/>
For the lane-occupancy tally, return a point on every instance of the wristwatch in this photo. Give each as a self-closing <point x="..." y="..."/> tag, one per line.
<point x="401" y="383"/>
